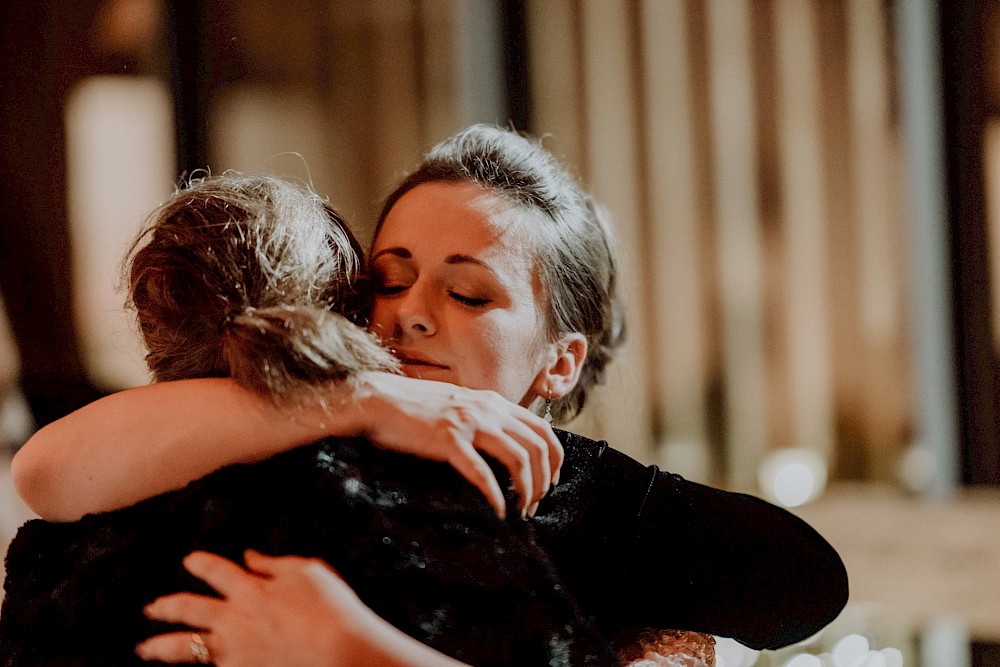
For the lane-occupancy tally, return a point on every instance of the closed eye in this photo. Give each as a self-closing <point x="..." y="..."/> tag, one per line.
<point x="472" y="301"/>
<point x="388" y="290"/>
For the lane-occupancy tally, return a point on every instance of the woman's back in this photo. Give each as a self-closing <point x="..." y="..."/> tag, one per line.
<point x="239" y="276"/>
<point x="418" y="544"/>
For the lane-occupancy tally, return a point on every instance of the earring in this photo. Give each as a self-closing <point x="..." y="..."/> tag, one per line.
<point x="548" y="408"/>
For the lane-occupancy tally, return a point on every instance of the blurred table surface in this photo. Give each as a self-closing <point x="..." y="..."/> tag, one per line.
<point x="917" y="560"/>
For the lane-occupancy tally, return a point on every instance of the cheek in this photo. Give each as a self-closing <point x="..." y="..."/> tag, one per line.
<point x="511" y="354"/>
<point x="380" y="322"/>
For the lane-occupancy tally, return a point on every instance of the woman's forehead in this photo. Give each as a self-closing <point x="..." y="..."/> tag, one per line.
<point x="456" y="215"/>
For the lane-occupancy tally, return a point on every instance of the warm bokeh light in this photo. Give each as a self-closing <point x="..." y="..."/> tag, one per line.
<point x="119" y="146"/>
<point x="792" y="477"/>
<point x="850" y="650"/>
<point x="730" y="653"/>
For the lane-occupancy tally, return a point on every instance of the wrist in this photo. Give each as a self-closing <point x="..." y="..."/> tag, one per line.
<point x="371" y="398"/>
<point x="361" y="638"/>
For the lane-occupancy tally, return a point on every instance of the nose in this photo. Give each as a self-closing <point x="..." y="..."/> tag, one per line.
<point x="413" y="316"/>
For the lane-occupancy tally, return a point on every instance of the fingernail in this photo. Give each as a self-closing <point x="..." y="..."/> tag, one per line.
<point x="532" y="510"/>
<point x="555" y="478"/>
<point x="140" y="650"/>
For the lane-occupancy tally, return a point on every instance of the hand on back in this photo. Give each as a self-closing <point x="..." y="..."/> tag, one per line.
<point x="445" y="422"/>
<point x="287" y="611"/>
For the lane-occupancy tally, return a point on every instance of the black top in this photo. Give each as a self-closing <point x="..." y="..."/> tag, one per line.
<point x="615" y="547"/>
<point x="640" y="547"/>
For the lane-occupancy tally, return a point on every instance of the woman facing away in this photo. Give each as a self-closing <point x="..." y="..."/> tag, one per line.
<point x="492" y="270"/>
<point x="228" y="283"/>
<point x="238" y="277"/>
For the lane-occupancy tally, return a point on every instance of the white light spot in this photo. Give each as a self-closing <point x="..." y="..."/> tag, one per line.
<point x="917" y="468"/>
<point x="873" y="659"/>
<point x="794" y="484"/>
<point x="804" y="660"/>
<point x="792" y="476"/>
<point x="850" y="651"/>
<point x="893" y="657"/>
<point x="730" y="653"/>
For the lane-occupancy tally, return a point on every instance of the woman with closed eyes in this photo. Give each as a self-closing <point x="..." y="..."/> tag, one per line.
<point x="493" y="270"/>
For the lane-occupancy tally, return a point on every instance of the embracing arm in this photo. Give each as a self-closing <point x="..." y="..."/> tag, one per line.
<point x="729" y="564"/>
<point x="658" y="551"/>
<point x="140" y="442"/>
<point x="137" y="443"/>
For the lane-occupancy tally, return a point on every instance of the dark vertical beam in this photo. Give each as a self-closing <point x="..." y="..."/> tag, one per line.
<point x="188" y="27"/>
<point x="44" y="52"/>
<point x="963" y="64"/>
<point x="515" y="63"/>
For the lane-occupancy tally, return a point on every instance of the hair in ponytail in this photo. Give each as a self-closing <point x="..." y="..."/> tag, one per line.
<point x="255" y="278"/>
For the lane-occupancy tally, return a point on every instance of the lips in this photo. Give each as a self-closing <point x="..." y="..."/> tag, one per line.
<point x="411" y="358"/>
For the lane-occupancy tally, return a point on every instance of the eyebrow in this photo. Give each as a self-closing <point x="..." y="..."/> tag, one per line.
<point x="468" y="259"/>
<point x="398" y="252"/>
<point x="403" y="253"/>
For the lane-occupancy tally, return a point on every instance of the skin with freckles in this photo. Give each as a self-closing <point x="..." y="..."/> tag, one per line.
<point x="457" y="293"/>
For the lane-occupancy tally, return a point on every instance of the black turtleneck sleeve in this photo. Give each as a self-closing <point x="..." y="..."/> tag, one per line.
<point x="640" y="547"/>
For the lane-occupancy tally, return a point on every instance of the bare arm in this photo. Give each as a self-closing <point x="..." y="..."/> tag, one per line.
<point x="137" y="443"/>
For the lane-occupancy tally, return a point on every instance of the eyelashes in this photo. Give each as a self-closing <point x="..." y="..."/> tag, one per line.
<point x="465" y="300"/>
<point x="475" y="302"/>
<point x="390" y="282"/>
<point x="388" y="290"/>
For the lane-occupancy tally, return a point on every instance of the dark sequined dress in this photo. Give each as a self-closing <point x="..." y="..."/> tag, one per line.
<point x="615" y="548"/>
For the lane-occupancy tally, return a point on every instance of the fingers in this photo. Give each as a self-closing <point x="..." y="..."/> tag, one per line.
<point x="272" y="566"/>
<point x="519" y="463"/>
<point x="520" y="440"/>
<point x="452" y="424"/>
<point x="174" y="647"/>
<point x="262" y="564"/>
<point x="190" y="609"/>
<point x="474" y="468"/>
<point x="535" y="437"/>
<point x="529" y="456"/>
<point x="541" y="455"/>
<point x="222" y="574"/>
<point x="556" y="453"/>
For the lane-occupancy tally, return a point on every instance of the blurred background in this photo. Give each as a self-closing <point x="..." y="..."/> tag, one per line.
<point x="807" y="196"/>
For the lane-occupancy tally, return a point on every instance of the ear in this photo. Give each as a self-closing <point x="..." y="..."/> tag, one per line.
<point x="562" y="371"/>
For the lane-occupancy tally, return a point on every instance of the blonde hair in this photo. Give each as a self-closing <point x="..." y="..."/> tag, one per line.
<point x="574" y="248"/>
<point x="254" y="278"/>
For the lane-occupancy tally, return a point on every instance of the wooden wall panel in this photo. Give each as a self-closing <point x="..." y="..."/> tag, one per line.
<point x="679" y="326"/>
<point x="554" y="65"/>
<point x="747" y="152"/>
<point x="882" y="242"/>
<point x="738" y="236"/>
<point x="621" y="409"/>
<point x="804" y="226"/>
